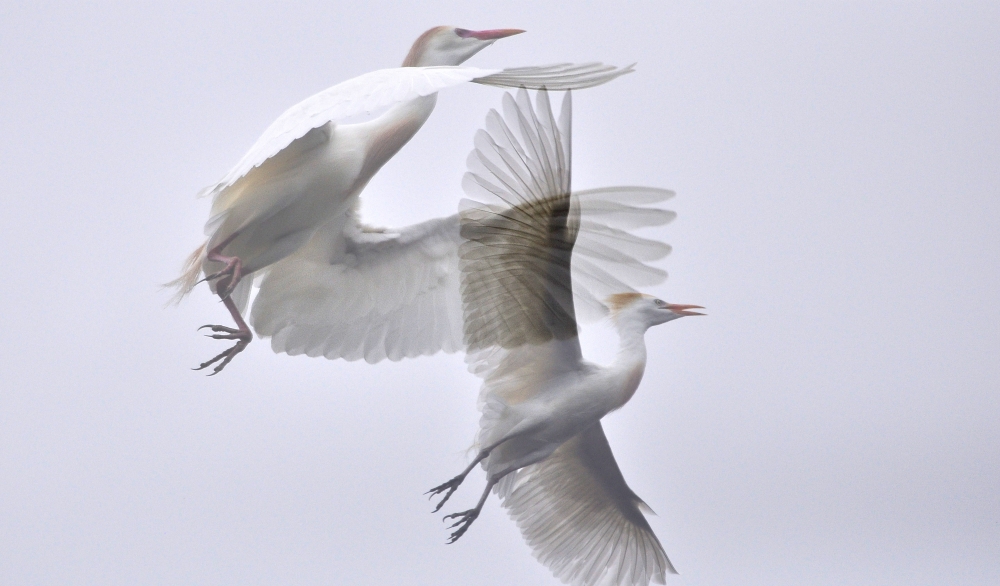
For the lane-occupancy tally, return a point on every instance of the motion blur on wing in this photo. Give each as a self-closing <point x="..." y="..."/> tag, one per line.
<point x="308" y="168"/>
<point x="540" y="439"/>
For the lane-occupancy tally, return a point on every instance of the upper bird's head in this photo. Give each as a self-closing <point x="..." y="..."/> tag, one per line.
<point x="447" y="45"/>
<point x="645" y="309"/>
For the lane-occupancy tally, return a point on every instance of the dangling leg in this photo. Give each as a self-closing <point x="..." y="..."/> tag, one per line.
<point x="465" y="518"/>
<point x="229" y="276"/>
<point x="242" y="335"/>
<point x="233" y="271"/>
<point x="452" y="485"/>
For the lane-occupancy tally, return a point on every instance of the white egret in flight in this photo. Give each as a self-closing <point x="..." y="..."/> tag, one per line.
<point x="540" y="439"/>
<point x="309" y="167"/>
<point x="357" y="292"/>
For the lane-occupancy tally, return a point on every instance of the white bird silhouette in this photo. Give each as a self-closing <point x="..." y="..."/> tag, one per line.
<point x="540" y="440"/>
<point x="356" y="292"/>
<point x="308" y="168"/>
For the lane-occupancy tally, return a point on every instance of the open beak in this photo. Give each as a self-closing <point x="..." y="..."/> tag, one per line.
<point x="493" y="34"/>
<point x="683" y="309"/>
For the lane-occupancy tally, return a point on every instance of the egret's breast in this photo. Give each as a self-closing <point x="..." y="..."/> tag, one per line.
<point x="632" y="379"/>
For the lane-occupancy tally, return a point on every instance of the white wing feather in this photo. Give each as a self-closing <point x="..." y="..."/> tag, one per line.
<point x="572" y="505"/>
<point x="354" y="294"/>
<point x="582" y="520"/>
<point x="361" y="94"/>
<point x="328" y="298"/>
<point x="385" y="87"/>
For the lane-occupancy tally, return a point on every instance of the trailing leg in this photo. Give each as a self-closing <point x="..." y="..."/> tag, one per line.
<point x="229" y="276"/>
<point x="465" y="518"/>
<point x="452" y="485"/>
<point x="241" y="334"/>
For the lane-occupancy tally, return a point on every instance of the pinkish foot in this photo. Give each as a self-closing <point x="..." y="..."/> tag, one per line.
<point x="229" y="276"/>
<point x="242" y="336"/>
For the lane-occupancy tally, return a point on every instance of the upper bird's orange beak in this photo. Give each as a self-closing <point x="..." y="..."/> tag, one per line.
<point x="683" y="309"/>
<point x="493" y="34"/>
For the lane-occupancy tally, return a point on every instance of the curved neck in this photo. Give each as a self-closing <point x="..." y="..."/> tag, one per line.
<point x="393" y="129"/>
<point x="631" y="359"/>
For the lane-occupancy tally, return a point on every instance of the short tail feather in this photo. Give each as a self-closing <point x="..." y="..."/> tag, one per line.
<point x="189" y="276"/>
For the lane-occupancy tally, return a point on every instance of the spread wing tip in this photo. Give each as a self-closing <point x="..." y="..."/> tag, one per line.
<point x="558" y="77"/>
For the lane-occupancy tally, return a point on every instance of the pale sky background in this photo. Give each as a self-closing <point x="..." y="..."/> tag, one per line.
<point x="835" y="420"/>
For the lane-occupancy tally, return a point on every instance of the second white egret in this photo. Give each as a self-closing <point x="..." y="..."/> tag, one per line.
<point x="540" y="439"/>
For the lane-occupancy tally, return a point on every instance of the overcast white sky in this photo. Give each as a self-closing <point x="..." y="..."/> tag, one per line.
<point x="834" y="420"/>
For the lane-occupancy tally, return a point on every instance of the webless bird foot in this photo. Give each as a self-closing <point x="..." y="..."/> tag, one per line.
<point x="230" y="333"/>
<point x="243" y="337"/>
<point x="451" y="486"/>
<point x="229" y="276"/>
<point x="465" y="519"/>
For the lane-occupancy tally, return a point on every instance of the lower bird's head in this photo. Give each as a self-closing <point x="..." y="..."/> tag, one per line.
<point x="646" y="309"/>
<point x="448" y="45"/>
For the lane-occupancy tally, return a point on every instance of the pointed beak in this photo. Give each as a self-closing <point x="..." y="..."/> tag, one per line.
<point x="683" y="309"/>
<point x="492" y="34"/>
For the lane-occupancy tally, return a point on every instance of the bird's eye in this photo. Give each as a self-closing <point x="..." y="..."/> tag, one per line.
<point x="659" y="302"/>
<point x="462" y="32"/>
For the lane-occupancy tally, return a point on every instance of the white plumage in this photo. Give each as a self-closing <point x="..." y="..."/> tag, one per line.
<point x="379" y="89"/>
<point x="309" y="167"/>
<point x="355" y="293"/>
<point x="540" y="439"/>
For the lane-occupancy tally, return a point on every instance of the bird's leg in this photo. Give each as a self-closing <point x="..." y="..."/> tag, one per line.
<point x="465" y="518"/>
<point x="452" y="485"/>
<point x="230" y="274"/>
<point x="242" y="335"/>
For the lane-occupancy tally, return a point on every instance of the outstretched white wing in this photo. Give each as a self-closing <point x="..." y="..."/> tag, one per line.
<point x="517" y="270"/>
<point x="582" y="520"/>
<point x="352" y="293"/>
<point x="608" y="256"/>
<point x="378" y="89"/>
<point x="357" y="293"/>
<point x="518" y="240"/>
<point x="573" y="506"/>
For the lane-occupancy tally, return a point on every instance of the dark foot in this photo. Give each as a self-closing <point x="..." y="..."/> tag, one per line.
<point x="465" y="519"/>
<point x="451" y="486"/>
<point x="242" y="337"/>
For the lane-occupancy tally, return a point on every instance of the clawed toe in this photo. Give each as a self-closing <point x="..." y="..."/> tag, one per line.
<point x="242" y="337"/>
<point x="228" y="334"/>
<point x="451" y="486"/>
<point x="228" y="276"/>
<point x="212" y="276"/>
<point x="465" y="519"/>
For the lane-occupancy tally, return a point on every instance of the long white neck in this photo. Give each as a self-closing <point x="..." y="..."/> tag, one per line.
<point x="388" y="133"/>
<point x="630" y="363"/>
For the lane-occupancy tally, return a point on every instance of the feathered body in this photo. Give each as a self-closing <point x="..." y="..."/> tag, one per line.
<point x="540" y="438"/>
<point x="309" y="167"/>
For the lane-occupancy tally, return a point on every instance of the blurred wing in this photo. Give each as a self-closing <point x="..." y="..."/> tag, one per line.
<point x="385" y="87"/>
<point x="517" y="246"/>
<point x="562" y="76"/>
<point x="355" y="96"/>
<point x="352" y="294"/>
<point x="582" y="520"/>
<point x="608" y="257"/>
